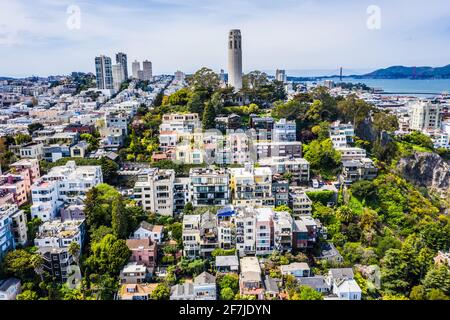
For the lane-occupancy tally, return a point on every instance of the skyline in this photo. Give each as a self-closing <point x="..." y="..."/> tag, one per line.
<point x="187" y="35"/>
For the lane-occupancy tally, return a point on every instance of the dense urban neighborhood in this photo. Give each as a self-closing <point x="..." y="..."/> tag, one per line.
<point x="214" y="186"/>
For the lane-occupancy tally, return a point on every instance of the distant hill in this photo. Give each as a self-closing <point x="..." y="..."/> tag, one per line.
<point x="401" y="72"/>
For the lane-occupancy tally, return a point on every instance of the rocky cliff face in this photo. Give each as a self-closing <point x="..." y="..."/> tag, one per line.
<point x="426" y="169"/>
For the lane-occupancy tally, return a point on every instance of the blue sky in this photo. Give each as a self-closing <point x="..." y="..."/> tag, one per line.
<point x="304" y="36"/>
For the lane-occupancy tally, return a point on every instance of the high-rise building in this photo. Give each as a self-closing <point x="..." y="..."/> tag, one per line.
<point x="179" y="76"/>
<point x="147" y="69"/>
<point x="235" y="59"/>
<point x="426" y="115"/>
<point x="281" y="75"/>
<point x="118" y="71"/>
<point x="103" y="69"/>
<point x="135" y="68"/>
<point x="121" y="58"/>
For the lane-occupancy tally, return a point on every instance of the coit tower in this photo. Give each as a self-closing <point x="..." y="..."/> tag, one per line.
<point x="235" y="59"/>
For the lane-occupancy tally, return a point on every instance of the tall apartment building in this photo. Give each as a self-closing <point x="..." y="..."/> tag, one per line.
<point x="299" y="168"/>
<point x="262" y="127"/>
<point x="16" y="185"/>
<point x="147" y="70"/>
<point x="179" y="76"/>
<point x="13" y="228"/>
<point x="63" y="184"/>
<point x="135" y="68"/>
<point x="103" y="70"/>
<point x="341" y="134"/>
<point x="246" y="231"/>
<point x="284" y="130"/>
<point x="181" y="123"/>
<point x="154" y="190"/>
<point x="426" y="115"/>
<point x="268" y="149"/>
<point x="57" y="234"/>
<point x="121" y="58"/>
<point x="251" y="186"/>
<point x="280" y="75"/>
<point x="260" y="231"/>
<point x="191" y="235"/>
<point x="118" y="73"/>
<point x="300" y="203"/>
<point x="209" y="187"/>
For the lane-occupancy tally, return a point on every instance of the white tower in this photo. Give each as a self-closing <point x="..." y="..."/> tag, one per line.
<point x="235" y="59"/>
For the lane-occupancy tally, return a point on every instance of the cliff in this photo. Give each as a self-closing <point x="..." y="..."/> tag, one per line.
<point x="426" y="169"/>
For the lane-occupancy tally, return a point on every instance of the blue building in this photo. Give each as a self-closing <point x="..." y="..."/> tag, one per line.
<point x="6" y="235"/>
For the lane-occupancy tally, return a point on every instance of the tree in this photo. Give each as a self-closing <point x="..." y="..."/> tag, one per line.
<point x="188" y="208"/>
<point x="27" y="295"/>
<point x="394" y="272"/>
<point x="97" y="234"/>
<point x="37" y="262"/>
<point x="75" y="250"/>
<point x="19" y="264"/>
<point x="419" y="139"/>
<point x="108" y="256"/>
<point x="290" y="110"/>
<point x="176" y="230"/>
<point x="161" y="292"/>
<point x="119" y="220"/>
<point x="180" y="97"/>
<point x="93" y="141"/>
<point x="322" y="130"/>
<point x="364" y="190"/>
<point x="436" y="294"/>
<point x="196" y="104"/>
<point x="231" y="281"/>
<point x="22" y="138"/>
<point x="33" y="228"/>
<point x="345" y="214"/>
<point x="35" y="127"/>
<point x="354" y="109"/>
<point x="283" y="208"/>
<point x="438" y="277"/>
<point x="227" y="294"/>
<point x="323" y="158"/>
<point x="209" y="117"/>
<point x="204" y="80"/>
<point x="383" y="121"/>
<point x="418" y="293"/>
<point x="306" y="293"/>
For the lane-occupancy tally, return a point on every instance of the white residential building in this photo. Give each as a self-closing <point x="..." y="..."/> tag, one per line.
<point x="209" y="186"/>
<point x="341" y="134"/>
<point x="182" y="123"/>
<point x="251" y="186"/>
<point x="298" y="167"/>
<point x="154" y="191"/>
<point x="191" y="235"/>
<point x="348" y="153"/>
<point x="57" y="234"/>
<point x="284" y="130"/>
<point x="426" y="115"/>
<point x="68" y="183"/>
<point x="246" y="231"/>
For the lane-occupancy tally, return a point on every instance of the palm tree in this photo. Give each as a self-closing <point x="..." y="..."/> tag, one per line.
<point x="75" y="250"/>
<point x="345" y="214"/>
